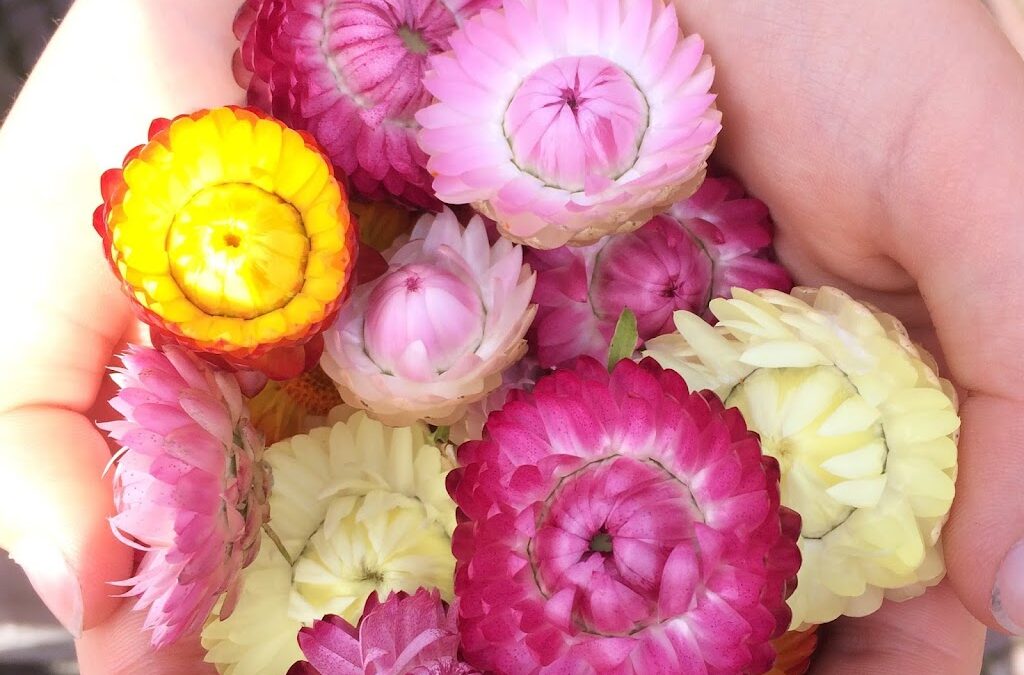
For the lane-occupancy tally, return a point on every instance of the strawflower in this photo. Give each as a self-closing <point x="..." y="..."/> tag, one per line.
<point x="381" y="223"/>
<point x="794" y="651"/>
<point x="359" y="508"/>
<point x="231" y="236"/>
<point x="617" y="523"/>
<point x="403" y="634"/>
<point x="291" y="407"/>
<point x="522" y="375"/>
<point x="351" y="74"/>
<point x="863" y="427"/>
<point x="698" y="250"/>
<point x="565" y="121"/>
<point x="190" y="487"/>
<point x="435" y="332"/>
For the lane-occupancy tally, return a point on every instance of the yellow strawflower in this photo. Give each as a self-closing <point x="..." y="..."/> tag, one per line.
<point x="231" y="235"/>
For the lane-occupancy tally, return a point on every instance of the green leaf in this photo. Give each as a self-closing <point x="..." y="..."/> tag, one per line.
<point x="624" y="340"/>
<point x="440" y="435"/>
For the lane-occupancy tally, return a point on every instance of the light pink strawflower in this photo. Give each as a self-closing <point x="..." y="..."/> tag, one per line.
<point x="617" y="523"/>
<point x="435" y="332"/>
<point x="565" y="121"/>
<point x="404" y="635"/>
<point x="700" y="249"/>
<point x="350" y="73"/>
<point x="521" y="375"/>
<point x="190" y="486"/>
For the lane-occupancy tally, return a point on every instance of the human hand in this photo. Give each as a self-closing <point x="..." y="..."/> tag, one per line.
<point x="851" y="120"/>
<point x="113" y="66"/>
<point x="884" y="136"/>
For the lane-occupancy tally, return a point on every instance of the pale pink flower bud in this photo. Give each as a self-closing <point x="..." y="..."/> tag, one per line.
<point x="435" y="332"/>
<point x="422" y="305"/>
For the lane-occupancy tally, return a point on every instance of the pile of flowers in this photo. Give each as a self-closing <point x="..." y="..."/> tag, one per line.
<point x="460" y="362"/>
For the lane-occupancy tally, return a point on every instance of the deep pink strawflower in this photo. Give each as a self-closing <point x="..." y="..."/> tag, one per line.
<point x="701" y="248"/>
<point x="190" y="487"/>
<point x="406" y="634"/>
<point x="350" y="74"/>
<point x="617" y="523"/>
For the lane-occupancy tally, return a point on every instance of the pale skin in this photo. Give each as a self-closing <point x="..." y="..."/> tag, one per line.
<point x="885" y="136"/>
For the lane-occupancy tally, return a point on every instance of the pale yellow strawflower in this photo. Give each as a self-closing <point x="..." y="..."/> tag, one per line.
<point x="359" y="507"/>
<point x="864" y="430"/>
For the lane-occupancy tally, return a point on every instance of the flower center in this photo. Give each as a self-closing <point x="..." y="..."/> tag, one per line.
<point x="236" y="250"/>
<point x="413" y="41"/>
<point x="377" y="52"/>
<point x="422" y="311"/>
<point x="576" y="118"/>
<point x="811" y="421"/>
<point x="605" y="535"/>
<point x="654" y="271"/>
<point x="601" y="542"/>
<point x="381" y="542"/>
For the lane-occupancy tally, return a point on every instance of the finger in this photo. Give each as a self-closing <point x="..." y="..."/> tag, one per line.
<point x="113" y="65"/>
<point x="932" y="635"/>
<point x="863" y="106"/>
<point x="121" y="647"/>
<point x="817" y="97"/>
<point x="111" y="68"/>
<point x="54" y="508"/>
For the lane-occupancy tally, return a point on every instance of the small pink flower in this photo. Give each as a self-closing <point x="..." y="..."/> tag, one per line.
<point x="617" y="523"/>
<point x="190" y="486"/>
<point x="404" y="635"/>
<point x="565" y="121"/>
<point x="698" y="250"/>
<point x="350" y="73"/>
<point x="434" y="333"/>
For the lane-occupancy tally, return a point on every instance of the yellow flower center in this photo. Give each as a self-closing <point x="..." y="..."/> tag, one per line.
<point x="812" y="421"/>
<point x="385" y="542"/>
<point x="237" y="250"/>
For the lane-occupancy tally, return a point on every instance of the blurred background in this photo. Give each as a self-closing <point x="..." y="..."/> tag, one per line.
<point x="31" y="642"/>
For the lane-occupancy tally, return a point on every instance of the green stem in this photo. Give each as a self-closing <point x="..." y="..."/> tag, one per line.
<point x="269" y="531"/>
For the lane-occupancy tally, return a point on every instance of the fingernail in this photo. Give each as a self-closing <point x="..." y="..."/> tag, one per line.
<point x="1008" y="594"/>
<point x="53" y="580"/>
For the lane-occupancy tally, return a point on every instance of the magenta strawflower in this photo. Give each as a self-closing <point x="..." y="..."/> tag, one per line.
<point x="700" y="249"/>
<point x="404" y="635"/>
<point x="190" y="487"/>
<point x="434" y="333"/>
<point x="565" y="121"/>
<point x="350" y="74"/>
<point x="617" y="523"/>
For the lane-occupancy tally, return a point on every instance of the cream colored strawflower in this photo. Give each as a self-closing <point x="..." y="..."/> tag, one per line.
<point x="864" y="429"/>
<point x="359" y="507"/>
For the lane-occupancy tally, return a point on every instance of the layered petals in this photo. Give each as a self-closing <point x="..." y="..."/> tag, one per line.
<point x="566" y="120"/>
<point x="617" y="523"/>
<point x="698" y="250"/>
<point x="863" y="427"/>
<point x="434" y="333"/>
<point x="190" y="487"/>
<point x="413" y="634"/>
<point x="291" y="407"/>
<point x="350" y="73"/>
<point x="359" y="508"/>
<point x="794" y="651"/>
<point x="231" y="236"/>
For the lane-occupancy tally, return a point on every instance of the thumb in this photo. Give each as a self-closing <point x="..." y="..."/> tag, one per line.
<point x="53" y="513"/>
<point x="120" y="646"/>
